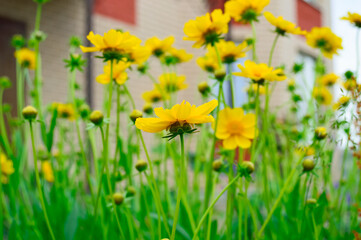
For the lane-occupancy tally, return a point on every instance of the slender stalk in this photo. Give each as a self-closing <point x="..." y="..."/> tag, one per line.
<point x="272" y="50"/>
<point x="156" y="195"/>
<point x="230" y="198"/>
<point x="129" y="96"/>
<point x="254" y="54"/>
<point x="1" y="204"/>
<point x="37" y="178"/>
<point x="19" y="88"/>
<point x="212" y="205"/>
<point x="3" y="131"/>
<point x="180" y="188"/>
<point x="278" y="200"/>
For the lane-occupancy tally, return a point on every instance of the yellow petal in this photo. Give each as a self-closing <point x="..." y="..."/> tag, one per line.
<point x="152" y="125"/>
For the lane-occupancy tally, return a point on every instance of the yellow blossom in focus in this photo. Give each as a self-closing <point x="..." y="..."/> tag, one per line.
<point x="283" y="26"/>
<point x="235" y="128"/>
<point x="7" y="168"/>
<point x="229" y="52"/>
<point x="26" y="58"/>
<point x="154" y="95"/>
<point x="171" y="82"/>
<point x="322" y="95"/>
<point x="208" y="64"/>
<point x="119" y="74"/>
<point x="182" y="115"/>
<point x="245" y="11"/>
<point x="353" y="18"/>
<point x="47" y="171"/>
<point x="342" y="101"/>
<point x="206" y="29"/>
<point x="329" y="79"/>
<point x="325" y="40"/>
<point x="157" y="46"/>
<point x="112" y="41"/>
<point x="259" y="72"/>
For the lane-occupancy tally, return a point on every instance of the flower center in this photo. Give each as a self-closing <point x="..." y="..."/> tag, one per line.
<point x="235" y="127"/>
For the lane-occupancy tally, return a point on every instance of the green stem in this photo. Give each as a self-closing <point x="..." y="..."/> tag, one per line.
<point x="212" y="205"/>
<point x="156" y="195"/>
<point x="37" y="178"/>
<point x="230" y="198"/>
<point x="19" y="88"/>
<point x="3" y="131"/>
<point x="180" y="188"/>
<point x="129" y="96"/>
<point x="272" y="50"/>
<point x="254" y="54"/>
<point x="2" y="221"/>
<point x="278" y="200"/>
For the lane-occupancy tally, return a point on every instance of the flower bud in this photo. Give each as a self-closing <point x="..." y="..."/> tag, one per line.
<point x="311" y="201"/>
<point x="141" y="165"/>
<point x="204" y="88"/>
<point x="5" y="82"/>
<point x="130" y="191"/>
<point x="118" y="198"/>
<point x="135" y="114"/>
<point x="96" y="117"/>
<point x="29" y="113"/>
<point x="320" y="133"/>
<point x="249" y="166"/>
<point x="148" y="108"/>
<point x="220" y="74"/>
<point x="217" y="165"/>
<point x="308" y="164"/>
<point x="18" y="41"/>
<point x="84" y="111"/>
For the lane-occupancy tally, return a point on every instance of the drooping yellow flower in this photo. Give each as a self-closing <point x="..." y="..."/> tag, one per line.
<point x="139" y="55"/>
<point x="322" y="95"/>
<point x="283" y="26"/>
<point x="259" y="72"/>
<point x="154" y="95"/>
<point x="208" y="64"/>
<point x="245" y="11"/>
<point x="157" y="46"/>
<point x="47" y="171"/>
<point x="342" y="102"/>
<point x="329" y="79"/>
<point x="229" y="52"/>
<point x="119" y="74"/>
<point x="235" y="128"/>
<point x="112" y="41"/>
<point x="26" y="58"/>
<point x="171" y="82"/>
<point x="7" y="168"/>
<point x="325" y="40"/>
<point x="182" y="116"/>
<point x="353" y="18"/>
<point x="175" y="56"/>
<point x="206" y="29"/>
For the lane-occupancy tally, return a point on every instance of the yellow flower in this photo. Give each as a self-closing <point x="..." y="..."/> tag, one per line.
<point x="320" y="133"/>
<point x="322" y="95"/>
<point x="119" y="74"/>
<point x="353" y="18"/>
<point x="47" y="171"/>
<point x="329" y="79"/>
<point x="235" y="128"/>
<point x="113" y="41"/>
<point x="306" y="150"/>
<point x="324" y="39"/>
<point x="350" y="84"/>
<point x="65" y="110"/>
<point x="228" y="51"/>
<point x="159" y="47"/>
<point x="26" y="58"/>
<point x="171" y="82"/>
<point x="139" y="55"/>
<point x="206" y="29"/>
<point x="253" y="88"/>
<point x="283" y="26"/>
<point x="259" y="72"/>
<point x="7" y="168"/>
<point x="342" y="102"/>
<point x="208" y="64"/>
<point x="245" y="11"/>
<point x="174" y="56"/>
<point x="182" y="116"/>
<point x="154" y="95"/>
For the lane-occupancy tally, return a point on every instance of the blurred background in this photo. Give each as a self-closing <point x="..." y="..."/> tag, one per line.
<point x="62" y="19"/>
